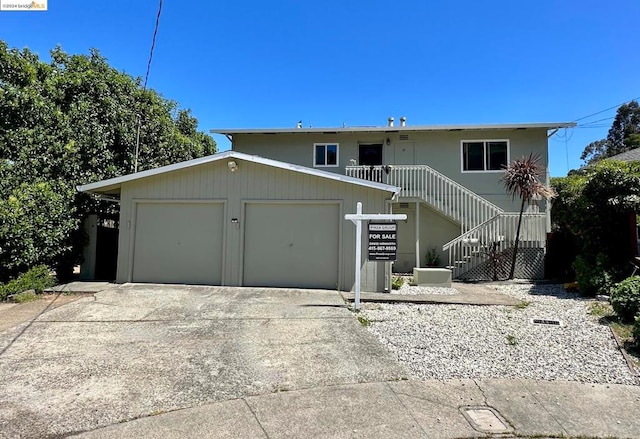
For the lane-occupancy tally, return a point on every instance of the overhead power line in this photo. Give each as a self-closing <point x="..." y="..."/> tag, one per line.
<point x="153" y="44"/>
<point x="586" y="124"/>
<point x="606" y="109"/>
<point x="146" y="79"/>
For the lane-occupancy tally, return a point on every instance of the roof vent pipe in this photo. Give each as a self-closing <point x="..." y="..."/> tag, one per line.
<point x="403" y="121"/>
<point x="390" y="120"/>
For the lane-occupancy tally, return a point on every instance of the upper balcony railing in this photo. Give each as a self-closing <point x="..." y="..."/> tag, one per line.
<point x="441" y="192"/>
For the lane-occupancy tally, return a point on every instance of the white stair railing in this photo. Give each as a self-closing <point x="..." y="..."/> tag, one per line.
<point x="470" y="249"/>
<point x="439" y="191"/>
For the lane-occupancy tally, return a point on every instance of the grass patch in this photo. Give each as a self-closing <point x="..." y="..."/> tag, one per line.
<point x="512" y="340"/>
<point x="25" y="296"/>
<point x="363" y="320"/>
<point x="601" y="309"/>
<point x="397" y="282"/>
<point x="522" y="305"/>
<point x="622" y="329"/>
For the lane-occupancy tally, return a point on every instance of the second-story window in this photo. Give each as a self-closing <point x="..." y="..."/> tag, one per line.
<point x="325" y="154"/>
<point x="485" y="155"/>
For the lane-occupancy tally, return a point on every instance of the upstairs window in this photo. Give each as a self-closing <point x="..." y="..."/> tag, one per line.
<point x="325" y="154"/>
<point x="485" y="155"/>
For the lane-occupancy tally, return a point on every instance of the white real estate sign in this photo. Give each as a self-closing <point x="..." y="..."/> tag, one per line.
<point x="357" y="219"/>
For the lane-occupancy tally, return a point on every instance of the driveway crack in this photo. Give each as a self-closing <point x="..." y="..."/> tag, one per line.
<point x="256" y="417"/>
<point x="484" y="396"/>
<point x="406" y="408"/>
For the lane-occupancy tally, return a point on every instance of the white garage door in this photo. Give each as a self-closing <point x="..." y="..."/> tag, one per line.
<point x="291" y="245"/>
<point x="178" y="243"/>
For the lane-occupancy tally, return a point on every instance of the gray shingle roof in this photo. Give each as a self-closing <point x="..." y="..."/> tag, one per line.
<point x="632" y="155"/>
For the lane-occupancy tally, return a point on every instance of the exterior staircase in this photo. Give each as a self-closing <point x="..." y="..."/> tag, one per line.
<point x="487" y="231"/>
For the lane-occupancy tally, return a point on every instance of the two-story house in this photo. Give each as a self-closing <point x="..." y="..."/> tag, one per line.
<point x="449" y="178"/>
<point x="270" y="212"/>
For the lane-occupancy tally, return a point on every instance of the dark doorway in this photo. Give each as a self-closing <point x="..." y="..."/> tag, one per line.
<point x="106" y="253"/>
<point x="370" y="154"/>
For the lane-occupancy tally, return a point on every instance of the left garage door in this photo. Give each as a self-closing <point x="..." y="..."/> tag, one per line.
<point x="178" y="243"/>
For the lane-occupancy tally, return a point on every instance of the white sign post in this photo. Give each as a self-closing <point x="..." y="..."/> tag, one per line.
<point x="357" y="219"/>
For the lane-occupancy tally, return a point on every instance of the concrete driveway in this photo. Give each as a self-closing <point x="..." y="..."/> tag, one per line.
<point x="136" y="350"/>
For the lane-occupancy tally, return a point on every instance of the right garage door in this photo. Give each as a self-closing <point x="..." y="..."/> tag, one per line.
<point x="291" y="245"/>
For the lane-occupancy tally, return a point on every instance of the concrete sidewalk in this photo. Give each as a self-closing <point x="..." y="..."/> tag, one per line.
<point x="468" y="294"/>
<point x="406" y="409"/>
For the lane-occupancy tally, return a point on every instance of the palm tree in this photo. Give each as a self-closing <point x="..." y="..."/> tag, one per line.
<point x="522" y="179"/>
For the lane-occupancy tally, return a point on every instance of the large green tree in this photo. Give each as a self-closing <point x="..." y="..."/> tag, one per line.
<point x="624" y="135"/>
<point x="71" y="121"/>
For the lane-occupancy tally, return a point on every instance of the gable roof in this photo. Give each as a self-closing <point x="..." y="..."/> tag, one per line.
<point x="113" y="184"/>
<point x="395" y="129"/>
<point x="633" y="155"/>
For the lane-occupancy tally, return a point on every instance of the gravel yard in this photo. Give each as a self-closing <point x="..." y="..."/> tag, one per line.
<point x="463" y="341"/>
<point x="410" y="290"/>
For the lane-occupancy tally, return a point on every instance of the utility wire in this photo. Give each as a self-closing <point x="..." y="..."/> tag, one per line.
<point x="595" y="121"/>
<point x="144" y="88"/>
<point x="606" y="109"/>
<point x="153" y="44"/>
<point x="591" y="124"/>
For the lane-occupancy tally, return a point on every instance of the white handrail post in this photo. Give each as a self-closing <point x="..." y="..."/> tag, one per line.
<point x="356" y="304"/>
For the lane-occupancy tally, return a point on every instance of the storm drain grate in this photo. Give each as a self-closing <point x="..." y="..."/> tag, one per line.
<point x="546" y="322"/>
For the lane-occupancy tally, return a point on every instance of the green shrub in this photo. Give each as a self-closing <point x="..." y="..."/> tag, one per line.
<point x="636" y="331"/>
<point x="626" y="298"/>
<point x="397" y="282"/>
<point x="38" y="278"/>
<point x="592" y="278"/>
<point x="37" y="219"/>
<point x="432" y="259"/>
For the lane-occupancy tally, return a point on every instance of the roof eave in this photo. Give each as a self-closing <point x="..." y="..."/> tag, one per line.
<point x="113" y="184"/>
<point x="395" y="129"/>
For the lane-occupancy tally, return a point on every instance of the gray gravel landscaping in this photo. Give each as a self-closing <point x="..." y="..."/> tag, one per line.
<point x="463" y="341"/>
<point x="408" y="289"/>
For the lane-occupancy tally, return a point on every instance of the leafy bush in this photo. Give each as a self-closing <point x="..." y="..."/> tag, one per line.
<point x="636" y="331"/>
<point x="37" y="218"/>
<point x="626" y="298"/>
<point x="432" y="259"/>
<point x="397" y="282"/>
<point x="38" y="278"/>
<point x="592" y="278"/>
<point x="592" y="212"/>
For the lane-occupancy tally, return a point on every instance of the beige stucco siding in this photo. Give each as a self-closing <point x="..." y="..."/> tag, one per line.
<point x="439" y="150"/>
<point x="250" y="183"/>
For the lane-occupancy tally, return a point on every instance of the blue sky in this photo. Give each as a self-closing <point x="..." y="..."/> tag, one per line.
<point x="253" y="64"/>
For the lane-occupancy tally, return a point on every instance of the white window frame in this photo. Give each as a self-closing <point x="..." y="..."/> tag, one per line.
<point x="325" y="144"/>
<point x="484" y="155"/>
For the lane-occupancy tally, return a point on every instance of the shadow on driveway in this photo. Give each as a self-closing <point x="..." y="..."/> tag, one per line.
<point x="136" y="350"/>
